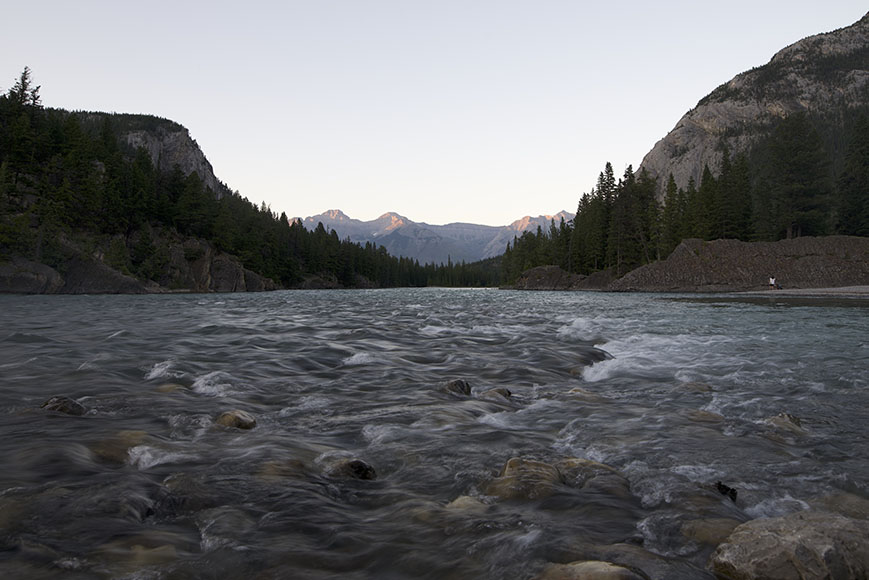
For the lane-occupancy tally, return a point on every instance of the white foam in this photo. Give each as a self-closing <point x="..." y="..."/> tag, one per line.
<point x="361" y="358"/>
<point x="144" y="456"/>
<point x="213" y="384"/>
<point x="697" y="473"/>
<point x="776" y="506"/>
<point x="161" y="370"/>
<point x="379" y="434"/>
<point x="309" y="403"/>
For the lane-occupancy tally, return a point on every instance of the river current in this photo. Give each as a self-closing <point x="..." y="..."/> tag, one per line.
<point x="675" y="393"/>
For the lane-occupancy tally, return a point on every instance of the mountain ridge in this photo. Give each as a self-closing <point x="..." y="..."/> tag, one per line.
<point x="824" y="75"/>
<point x="429" y="243"/>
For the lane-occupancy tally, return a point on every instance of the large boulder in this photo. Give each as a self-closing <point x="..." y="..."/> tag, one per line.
<point x="798" y="546"/>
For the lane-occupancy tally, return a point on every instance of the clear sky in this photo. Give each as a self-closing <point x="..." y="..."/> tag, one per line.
<point x="441" y="110"/>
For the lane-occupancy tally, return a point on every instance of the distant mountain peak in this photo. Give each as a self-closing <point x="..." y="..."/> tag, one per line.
<point x="336" y="214"/>
<point x="430" y="243"/>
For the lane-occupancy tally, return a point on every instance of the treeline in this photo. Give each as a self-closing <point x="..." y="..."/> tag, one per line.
<point x="68" y="176"/>
<point x="785" y="187"/>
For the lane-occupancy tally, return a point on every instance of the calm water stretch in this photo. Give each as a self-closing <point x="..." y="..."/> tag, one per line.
<point x="674" y="393"/>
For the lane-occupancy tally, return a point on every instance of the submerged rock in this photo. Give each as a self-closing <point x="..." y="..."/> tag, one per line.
<point x="170" y="388"/>
<point x="117" y="448"/>
<point x="525" y="479"/>
<point x="458" y="387"/>
<point x="351" y="469"/>
<point x="589" y="570"/>
<point x="582" y="473"/>
<point x="64" y="405"/>
<point x="522" y="478"/>
<point x="787" y="422"/>
<point x="236" y="418"/>
<point x="499" y="393"/>
<point x="804" y="545"/>
<point x="466" y="504"/>
<point x="711" y="531"/>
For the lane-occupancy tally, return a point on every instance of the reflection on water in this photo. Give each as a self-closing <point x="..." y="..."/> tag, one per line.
<point x="364" y="464"/>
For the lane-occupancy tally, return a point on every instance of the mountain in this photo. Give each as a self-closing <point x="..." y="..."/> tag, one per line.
<point x="431" y="244"/>
<point x="825" y="76"/>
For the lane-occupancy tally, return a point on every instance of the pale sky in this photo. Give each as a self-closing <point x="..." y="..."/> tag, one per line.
<point x="479" y="111"/>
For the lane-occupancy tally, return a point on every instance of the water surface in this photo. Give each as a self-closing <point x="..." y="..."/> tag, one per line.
<point x="674" y="394"/>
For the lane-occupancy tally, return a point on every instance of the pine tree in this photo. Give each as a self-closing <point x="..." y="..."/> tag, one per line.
<point x="854" y="182"/>
<point x="796" y="180"/>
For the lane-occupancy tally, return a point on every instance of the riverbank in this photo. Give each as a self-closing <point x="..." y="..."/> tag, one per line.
<point x="840" y="292"/>
<point x="823" y="266"/>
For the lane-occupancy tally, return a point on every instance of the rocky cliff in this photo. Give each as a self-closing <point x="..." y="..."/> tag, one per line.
<point x="731" y="265"/>
<point x="169" y="145"/>
<point x="826" y="76"/>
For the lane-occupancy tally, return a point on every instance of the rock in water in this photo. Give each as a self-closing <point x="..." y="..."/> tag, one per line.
<point x="726" y="490"/>
<point x="236" y="418"/>
<point x="499" y="393"/>
<point x="459" y="387"/>
<point x="352" y="469"/>
<point x="589" y="570"/>
<point x="803" y="545"/>
<point x="523" y="478"/>
<point x="64" y="405"/>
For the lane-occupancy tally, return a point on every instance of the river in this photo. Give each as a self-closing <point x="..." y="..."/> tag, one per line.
<point x="674" y="393"/>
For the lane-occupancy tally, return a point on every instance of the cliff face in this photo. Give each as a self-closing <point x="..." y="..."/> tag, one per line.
<point x="826" y="75"/>
<point x="170" y="145"/>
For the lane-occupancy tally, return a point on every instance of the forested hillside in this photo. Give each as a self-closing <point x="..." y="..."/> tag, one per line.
<point x="72" y="189"/>
<point x="785" y="187"/>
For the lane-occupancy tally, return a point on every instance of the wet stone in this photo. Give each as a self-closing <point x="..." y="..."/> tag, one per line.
<point x="458" y="387"/>
<point x="805" y="545"/>
<point x="589" y="570"/>
<point x="236" y="418"/>
<point x="170" y="388"/>
<point x="710" y="531"/>
<point x="352" y="469"/>
<point x="64" y="405"/>
<point x="522" y="478"/>
<point x="787" y="422"/>
<point x="117" y="448"/>
<point x="497" y="394"/>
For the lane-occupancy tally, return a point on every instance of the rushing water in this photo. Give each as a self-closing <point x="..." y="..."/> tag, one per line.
<point x="674" y="393"/>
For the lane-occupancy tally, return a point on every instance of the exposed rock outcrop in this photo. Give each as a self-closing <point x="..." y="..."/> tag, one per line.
<point x="170" y="144"/>
<point x="826" y="73"/>
<point x="731" y="265"/>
